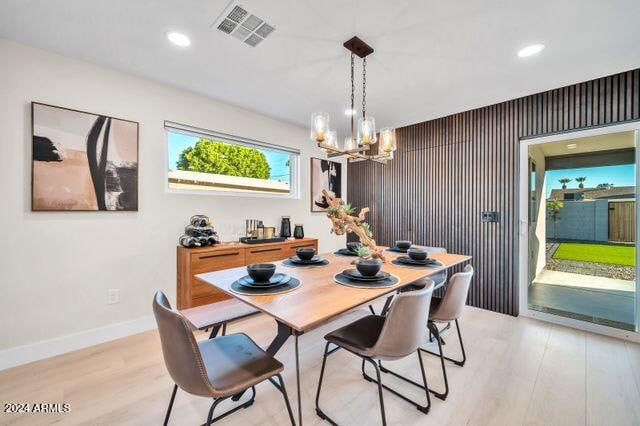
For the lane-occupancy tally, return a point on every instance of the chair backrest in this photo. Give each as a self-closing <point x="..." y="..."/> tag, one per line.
<point x="436" y="249"/>
<point x="405" y="325"/>
<point x="180" y="349"/>
<point x="455" y="297"/>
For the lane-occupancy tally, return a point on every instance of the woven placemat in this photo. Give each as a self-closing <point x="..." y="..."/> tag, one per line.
<point x="238" y="288"/>
<point x="387" y="282"/>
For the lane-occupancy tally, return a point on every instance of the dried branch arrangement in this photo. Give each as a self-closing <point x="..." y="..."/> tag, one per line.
<point x="343" y="221"/>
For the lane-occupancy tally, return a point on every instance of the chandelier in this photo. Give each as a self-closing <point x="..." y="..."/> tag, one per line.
<point x="357" y="146"/>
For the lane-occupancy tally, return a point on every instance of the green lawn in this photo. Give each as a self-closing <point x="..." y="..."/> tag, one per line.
<point x="601" y="253"/>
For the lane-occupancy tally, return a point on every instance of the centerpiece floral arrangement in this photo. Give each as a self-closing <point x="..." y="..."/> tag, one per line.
<point x="344" y="221"/>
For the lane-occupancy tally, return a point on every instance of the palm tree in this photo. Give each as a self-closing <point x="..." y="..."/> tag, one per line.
<point x="564" y="182"/>
<point x="580" y="181"/>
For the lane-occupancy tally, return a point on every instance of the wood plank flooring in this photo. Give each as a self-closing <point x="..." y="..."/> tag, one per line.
<point x="519" y="371"/>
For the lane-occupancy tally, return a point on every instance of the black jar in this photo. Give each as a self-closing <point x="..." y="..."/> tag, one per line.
<point x="285" y="227"/>
<point x="298" y="231"/>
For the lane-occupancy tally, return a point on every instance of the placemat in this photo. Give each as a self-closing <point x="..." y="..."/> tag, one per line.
<point x="434" y="264"/>
<point x="387" y="282"/>
<point x="236" y="287"/>
<point x="345" y="252"/>
<point x="290" y="264"/>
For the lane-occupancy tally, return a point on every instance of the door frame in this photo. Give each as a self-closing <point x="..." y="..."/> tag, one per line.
<point x="523" y="229"/>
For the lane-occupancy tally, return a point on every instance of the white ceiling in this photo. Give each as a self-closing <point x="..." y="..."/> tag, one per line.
<point x="432" y="58"/>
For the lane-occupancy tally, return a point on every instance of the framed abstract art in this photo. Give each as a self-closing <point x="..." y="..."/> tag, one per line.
<point x="82" y="161"/>
<point x="327" y="175"/>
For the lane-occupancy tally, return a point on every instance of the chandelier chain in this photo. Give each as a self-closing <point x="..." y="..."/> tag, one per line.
<point x="353" y="92"/>
<point x="364" y="87"/>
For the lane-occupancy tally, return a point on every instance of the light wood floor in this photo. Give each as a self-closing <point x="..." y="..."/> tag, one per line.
<point x="519" y="371"/>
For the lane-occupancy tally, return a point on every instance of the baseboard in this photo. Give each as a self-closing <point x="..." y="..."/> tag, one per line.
<point x="19" y="355"/>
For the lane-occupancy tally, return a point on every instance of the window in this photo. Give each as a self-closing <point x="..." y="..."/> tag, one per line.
<point x="205" y="161"/>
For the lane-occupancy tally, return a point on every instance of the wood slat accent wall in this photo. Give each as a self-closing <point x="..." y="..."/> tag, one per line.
<point x="448" y="170"/>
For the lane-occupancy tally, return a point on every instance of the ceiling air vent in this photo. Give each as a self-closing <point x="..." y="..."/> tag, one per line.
<point x="236" y="21"/>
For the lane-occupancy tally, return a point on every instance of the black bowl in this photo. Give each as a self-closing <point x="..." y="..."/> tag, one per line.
<point x="353" y="246"/>
<point x="261" y="272"/>
<point x="368" y="267"/>
<point x="403" y="244"/>
<point x="417" y="253"/>
<point x="306" y="253"/>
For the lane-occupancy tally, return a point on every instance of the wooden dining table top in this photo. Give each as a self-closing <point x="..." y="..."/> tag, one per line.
<point x="319" y="298"/>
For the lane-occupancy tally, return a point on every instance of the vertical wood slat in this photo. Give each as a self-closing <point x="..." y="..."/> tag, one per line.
<point x="447" y="171"/>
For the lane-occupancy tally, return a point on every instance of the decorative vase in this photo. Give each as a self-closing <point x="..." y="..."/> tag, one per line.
<point x="285" y="227"/>
<point x="298" y="231"/>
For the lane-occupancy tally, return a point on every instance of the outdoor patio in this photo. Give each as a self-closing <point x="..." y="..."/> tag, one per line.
<point x="601" y="293"/>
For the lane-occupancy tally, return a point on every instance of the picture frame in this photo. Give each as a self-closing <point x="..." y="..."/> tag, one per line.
<point x="82" y="161"/>
<point x="325" y="175"/>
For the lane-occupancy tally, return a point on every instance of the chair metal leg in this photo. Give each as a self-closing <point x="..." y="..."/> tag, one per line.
<point x="224" y="329"/>
<point x="423" y="408"/>
<point x="280" y="386"/>
<point x="211" y="419"/>
<point x="371" y="309"/>
<point x="173" y="397"/>
<point x="382" y="413"/>
<point x="455" y="361"/>
<point x="436" y="333"/>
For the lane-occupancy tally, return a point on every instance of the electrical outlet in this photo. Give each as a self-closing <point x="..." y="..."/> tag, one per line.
<point x="113" y="296"/>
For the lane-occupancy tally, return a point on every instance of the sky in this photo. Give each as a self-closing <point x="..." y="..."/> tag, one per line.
<point x="178" y="142"/>
<point x="623" y="175"/>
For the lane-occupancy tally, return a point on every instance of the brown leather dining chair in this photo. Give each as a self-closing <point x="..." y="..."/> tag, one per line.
<point x="218" y="368"/>
<point x="375" y="337"/>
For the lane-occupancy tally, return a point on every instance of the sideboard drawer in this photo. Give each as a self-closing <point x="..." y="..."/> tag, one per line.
<point x="217" y="260"/>
<point x="265" y="254"/>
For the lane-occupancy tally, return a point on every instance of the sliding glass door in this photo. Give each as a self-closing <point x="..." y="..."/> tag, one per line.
<point x="578" y="228"/>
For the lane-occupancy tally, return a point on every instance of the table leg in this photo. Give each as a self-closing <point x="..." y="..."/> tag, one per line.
<point x="284" y="332"/>
<point x="298" y="381"/>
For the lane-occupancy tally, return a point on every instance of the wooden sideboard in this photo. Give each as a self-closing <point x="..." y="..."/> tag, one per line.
<point x="193" y="261"/>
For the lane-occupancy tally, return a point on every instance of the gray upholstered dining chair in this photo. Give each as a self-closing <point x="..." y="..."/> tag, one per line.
<point x="218" y="368"/>
<point x="375" y="337"/>
<point x="449" y="309"/>
<point x="439" y="278"/>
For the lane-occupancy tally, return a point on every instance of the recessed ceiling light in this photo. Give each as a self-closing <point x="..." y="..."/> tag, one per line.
<point x="572" y="145"/>
<point x="178" y="39"/>
<point x="350" y="111"/>
<point x="534" y="49"/>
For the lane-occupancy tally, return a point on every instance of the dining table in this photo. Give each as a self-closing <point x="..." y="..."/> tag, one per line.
<point x="320" y="299"/>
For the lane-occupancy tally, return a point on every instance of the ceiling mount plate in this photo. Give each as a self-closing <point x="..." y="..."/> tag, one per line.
<point x="358" y="47"/>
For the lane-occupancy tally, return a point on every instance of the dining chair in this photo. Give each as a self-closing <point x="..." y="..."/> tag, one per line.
<point x="449" y="309"/>
<point x="218" y="368"/>
<point x="391" y="337"/>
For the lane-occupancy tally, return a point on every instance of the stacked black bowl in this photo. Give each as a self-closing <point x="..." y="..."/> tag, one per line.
<point x="199" y="232"/>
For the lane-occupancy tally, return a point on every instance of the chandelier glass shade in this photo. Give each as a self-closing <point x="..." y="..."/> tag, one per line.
<point x="319" y="126"/>
<point x="388" y="139"/>
<point x="367" y="131"/>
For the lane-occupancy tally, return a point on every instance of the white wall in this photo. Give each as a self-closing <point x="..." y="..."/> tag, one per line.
<point x="55" y="268"/>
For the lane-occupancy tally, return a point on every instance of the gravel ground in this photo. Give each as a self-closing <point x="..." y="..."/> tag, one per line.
<point x="588" y="268"/>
